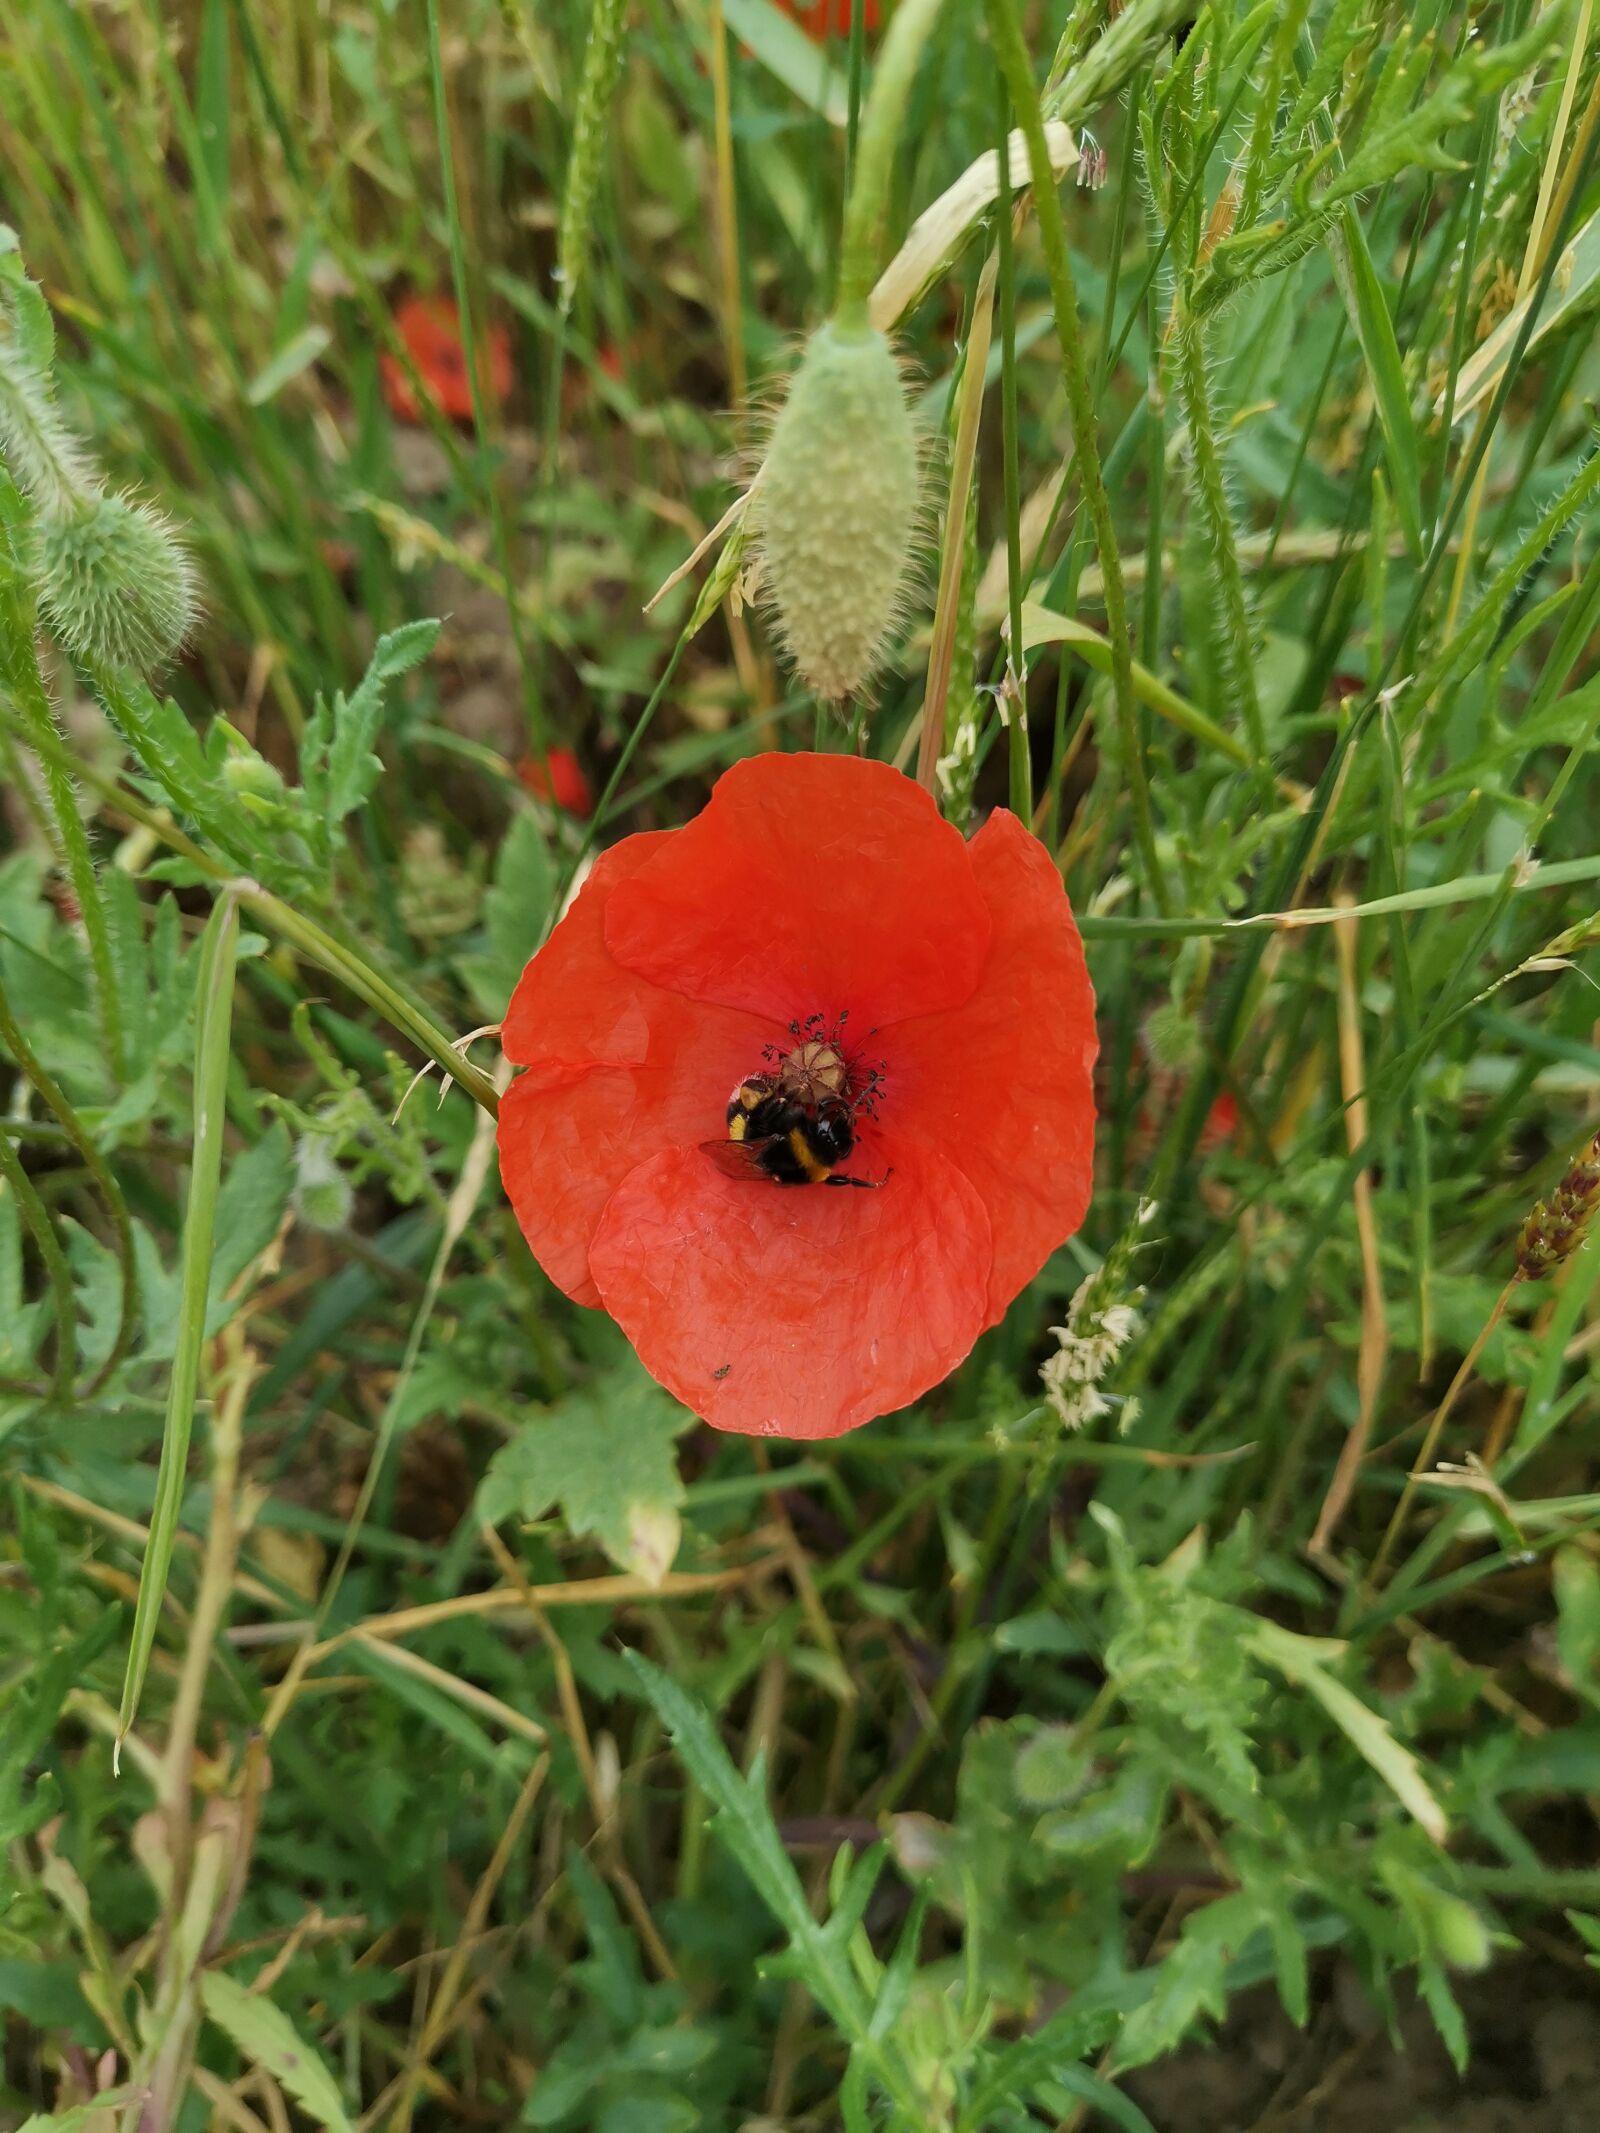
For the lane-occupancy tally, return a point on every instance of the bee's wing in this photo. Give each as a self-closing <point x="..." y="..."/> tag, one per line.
<point x="739" y="1159"/>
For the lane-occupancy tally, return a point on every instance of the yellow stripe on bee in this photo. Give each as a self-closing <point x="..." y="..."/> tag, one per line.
<point x="737" y="1125"/>
<point x="815" y="1171"/>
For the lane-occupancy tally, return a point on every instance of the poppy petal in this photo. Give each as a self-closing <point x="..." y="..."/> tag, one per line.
<point x="1005" y="1086"/>
<point x="576" y="1007"/>
<point x="795" y="1312"/>
<point x="616" y="1068"/>
<point x="809" y="884"/>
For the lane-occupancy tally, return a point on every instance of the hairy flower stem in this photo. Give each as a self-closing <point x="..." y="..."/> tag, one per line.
<point x="1012" y="54"/>
<point x="45" y="459"/>
<point x="1211" y="486"/>
<point x="24" y="685"/>
<point x="868" y="207"/>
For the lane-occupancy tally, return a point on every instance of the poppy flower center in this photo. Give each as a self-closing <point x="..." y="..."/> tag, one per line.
<point x="816" y="1069"/>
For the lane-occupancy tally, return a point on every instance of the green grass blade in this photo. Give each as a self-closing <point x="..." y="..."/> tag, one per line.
<point x="1369" y="314"/>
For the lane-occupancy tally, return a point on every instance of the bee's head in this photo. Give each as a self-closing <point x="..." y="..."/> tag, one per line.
<point x="834" y="1130"/>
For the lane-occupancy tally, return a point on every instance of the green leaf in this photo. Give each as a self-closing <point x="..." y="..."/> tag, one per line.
<point x="268" y="2039"/>
<point x="1587" y="1928"/>
<point x="295" y="356"/>
<point x="80" y="2114"/>
<point x="1369" y="314"/>
<point x="786" y="52"/>
<point x="1084" y="2025"/>
<point x="745" y="1826"/>
<point x="606" y="1458"/>
<point x="1190" y="1982"/>
<point x="212" y="1034"/>
<point x="1041" y="625"/>
<point x="1578" y="1622"/>
<point x="1300" y="1660"/>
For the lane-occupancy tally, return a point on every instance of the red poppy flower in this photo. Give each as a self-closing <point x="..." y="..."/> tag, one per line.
<point x="564" y="783"/>
<point x="430" y="326"/>
<point x="810" y="886"/>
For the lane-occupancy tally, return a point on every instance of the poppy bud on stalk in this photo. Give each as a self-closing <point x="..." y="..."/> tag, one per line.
<point x="837" y="507"/>
<point x="837" y="502"/>
<point x="114" y="582"/>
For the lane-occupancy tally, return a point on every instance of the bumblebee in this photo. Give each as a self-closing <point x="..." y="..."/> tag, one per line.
<point x="776" y="1133"/>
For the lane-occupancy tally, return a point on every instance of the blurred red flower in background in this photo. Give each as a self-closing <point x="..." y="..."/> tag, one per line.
<point x="430" y="327"/>
<point x="822" y="19"/>
<point x="809" y="886"/>
<point x="563" y="782"/>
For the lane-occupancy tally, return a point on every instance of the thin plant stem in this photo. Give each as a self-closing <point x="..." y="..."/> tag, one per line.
<point x="867" y="210"/>
<point x="1435" y="1429"/>
<point x="727" y="219"/>
<point x="1015" y="693"/>
<point x="469" y="348"/>
<point x="1006" y="32"/>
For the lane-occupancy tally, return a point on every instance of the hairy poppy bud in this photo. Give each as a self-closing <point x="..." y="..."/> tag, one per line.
<point x="837" y="507"/>
<point x="114" y="583"/>
<point x="322" y="1194"/>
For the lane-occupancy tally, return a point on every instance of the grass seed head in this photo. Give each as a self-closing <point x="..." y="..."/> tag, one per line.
<point x="1556" y="1227"/>
<point x="837" y="508"/>
<point x="115" y="583"/>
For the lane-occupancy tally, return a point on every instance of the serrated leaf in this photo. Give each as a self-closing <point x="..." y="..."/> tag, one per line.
<point x="250" y="1206"/>
<point x="338" y="766"/>
<point x="30" y="314"/>
<point x="607" y="1459"/>
<point x="1089" y="2019"/>
<point x="517" y="906"/>
<point x="1190" y="1982"/>
<point x="268" y="2039"/>
<point x="744" y="1820"/>
<point x="398" y="651"/>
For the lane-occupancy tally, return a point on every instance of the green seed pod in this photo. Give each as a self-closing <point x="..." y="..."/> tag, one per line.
<point x="114" y="583"/>
<point x="836" y="507"/>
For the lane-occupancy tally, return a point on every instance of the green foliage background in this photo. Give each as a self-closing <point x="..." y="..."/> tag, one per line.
<point x="496" y="1745"/>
